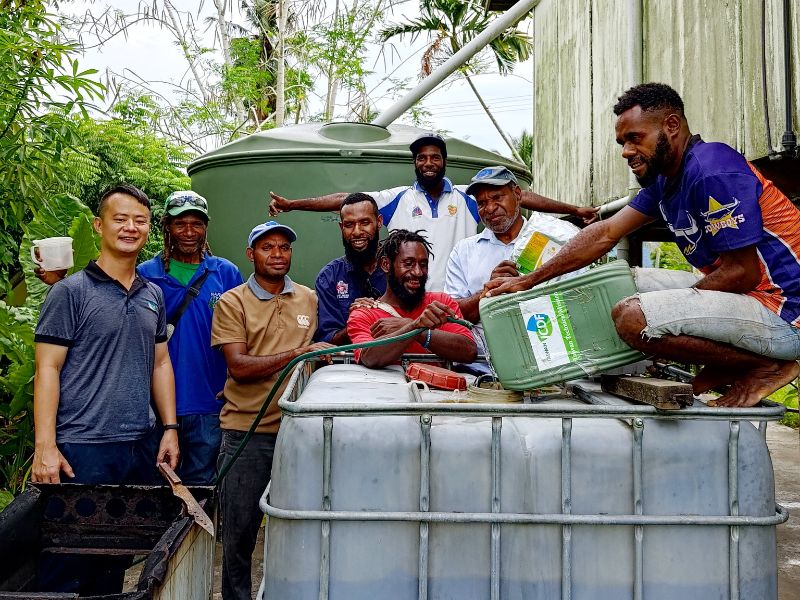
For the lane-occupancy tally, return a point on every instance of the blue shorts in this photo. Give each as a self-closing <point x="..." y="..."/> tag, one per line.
<point x="672" y="307"/>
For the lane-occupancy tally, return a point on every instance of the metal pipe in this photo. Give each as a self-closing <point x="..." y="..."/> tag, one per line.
<point x="510" y="18"/>
<point x="789" y="139"/>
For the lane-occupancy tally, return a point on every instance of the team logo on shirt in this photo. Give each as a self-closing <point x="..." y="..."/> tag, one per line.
<point x="417" y="212"/>
<point x="720" y="216"/>
<point x="690" y="233"/>
<point x="213" y="299"/>
<point x="152" y="306"/>
<point x="452" y="209"/>
<point x="342" y="290"/>
<point x="303" y="321"/>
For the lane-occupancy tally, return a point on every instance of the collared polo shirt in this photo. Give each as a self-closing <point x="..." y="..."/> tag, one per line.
<point x="267" y="324"/>
<point x="111" y="333"/>
<point x="446" y="221"/>
<point x="337" y="287"/>
<point x="200" y="371"/>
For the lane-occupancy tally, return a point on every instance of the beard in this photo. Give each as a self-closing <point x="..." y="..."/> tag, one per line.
<point x="429" y="182"/>
<point x="656" y="163"/>
<point x="505" y="223"/>
<point x="408" y="300"/>
<point x="361" y="258"/>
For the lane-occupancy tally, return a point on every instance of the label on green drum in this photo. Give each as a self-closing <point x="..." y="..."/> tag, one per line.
<point x="546" y="320"/>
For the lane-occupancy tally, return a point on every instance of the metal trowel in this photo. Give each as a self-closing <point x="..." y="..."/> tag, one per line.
<point x="182" y="492"/>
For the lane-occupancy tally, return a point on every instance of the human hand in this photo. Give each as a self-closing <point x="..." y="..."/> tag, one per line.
<point x="589" y="214"/>
<point x="49" y="277"/>
<point x="319" y="346"/>
<point x="507" y="268"/>
<point x="168" y="451"/>
<point x="435" y="315"/>
<point x="365" y="302"/>
<point x="48" y="464"/>
<point x="506" y="285"/>
<point x="278" y="204"/>
<point x="386" y="326"/>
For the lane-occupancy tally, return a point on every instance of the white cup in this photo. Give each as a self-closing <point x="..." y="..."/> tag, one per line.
<point x="52" y="254"/>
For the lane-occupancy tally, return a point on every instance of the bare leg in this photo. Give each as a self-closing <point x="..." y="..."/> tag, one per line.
<point x="712" y="378"/>
<point x="753" y="377"/>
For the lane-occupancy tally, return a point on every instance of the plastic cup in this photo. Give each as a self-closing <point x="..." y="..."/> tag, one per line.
<point x="52" y="254"/>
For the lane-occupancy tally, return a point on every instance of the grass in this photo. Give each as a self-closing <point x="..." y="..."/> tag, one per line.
<point x="788" y="397"/>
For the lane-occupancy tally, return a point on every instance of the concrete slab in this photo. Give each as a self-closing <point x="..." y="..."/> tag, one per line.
<point x="784" y="446"/>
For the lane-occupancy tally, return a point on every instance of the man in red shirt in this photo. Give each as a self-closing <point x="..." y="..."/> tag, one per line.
<point x="405" y="306"/>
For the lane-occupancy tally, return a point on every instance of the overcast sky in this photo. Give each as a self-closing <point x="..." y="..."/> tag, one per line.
<point x="149" y="52"/>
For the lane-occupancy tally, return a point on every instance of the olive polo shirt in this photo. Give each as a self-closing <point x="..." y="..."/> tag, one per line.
<point x="268" y="324"/>
<point x="111" y="334"/>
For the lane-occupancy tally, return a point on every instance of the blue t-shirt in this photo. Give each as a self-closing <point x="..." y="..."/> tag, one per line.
<point x="200" y="370"/>
<point x="111" y="334"/>
<point x="337" y="287"/>
<point x="718" y="202"/>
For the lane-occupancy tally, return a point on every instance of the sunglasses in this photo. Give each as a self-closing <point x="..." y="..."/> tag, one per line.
<point x="187" y="199"/>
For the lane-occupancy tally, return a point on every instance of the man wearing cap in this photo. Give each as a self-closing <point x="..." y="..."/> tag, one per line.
<point x="432" y="203"/>
<point x="260" y="326"/>
<point x="484" y="256"/>
<point x="192" y="281"/>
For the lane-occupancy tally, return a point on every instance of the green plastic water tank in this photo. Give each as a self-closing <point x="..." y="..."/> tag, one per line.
<point x="312" y="160"/>
<point x="558" y="331"/>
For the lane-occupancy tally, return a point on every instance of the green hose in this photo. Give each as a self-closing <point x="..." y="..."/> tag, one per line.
<point x="287" y="369"/>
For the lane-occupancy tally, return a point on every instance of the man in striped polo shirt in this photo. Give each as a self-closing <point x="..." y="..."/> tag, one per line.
<point x="741" y="319"/>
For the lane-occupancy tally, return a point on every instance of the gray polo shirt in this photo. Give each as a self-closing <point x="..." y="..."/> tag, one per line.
<point x="111" y="334"/>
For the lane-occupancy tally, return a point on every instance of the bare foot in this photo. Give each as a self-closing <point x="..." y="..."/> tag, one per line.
<point x="710" y="378"/>
<point x="758" y="384"/>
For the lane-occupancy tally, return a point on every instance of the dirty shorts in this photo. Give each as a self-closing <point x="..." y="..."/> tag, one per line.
<point x="672" y="307"/>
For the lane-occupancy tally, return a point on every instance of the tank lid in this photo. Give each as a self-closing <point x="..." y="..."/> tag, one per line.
<point x="354" y="133"/>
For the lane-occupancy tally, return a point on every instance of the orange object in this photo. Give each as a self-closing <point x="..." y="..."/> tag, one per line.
<point x="436" y="377"/>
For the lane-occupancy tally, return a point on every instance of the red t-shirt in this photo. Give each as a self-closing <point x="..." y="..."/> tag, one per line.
<point x="361" y="319"/>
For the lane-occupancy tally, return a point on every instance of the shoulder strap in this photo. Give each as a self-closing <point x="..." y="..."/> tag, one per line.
<point x="191" y="294"/>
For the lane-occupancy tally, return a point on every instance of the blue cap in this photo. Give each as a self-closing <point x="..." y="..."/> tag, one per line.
<point x="497" y="176"/>
<point x="263" y="228"/>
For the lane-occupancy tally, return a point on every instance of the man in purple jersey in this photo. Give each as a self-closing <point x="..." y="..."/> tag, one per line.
<point x="740" y="319"/>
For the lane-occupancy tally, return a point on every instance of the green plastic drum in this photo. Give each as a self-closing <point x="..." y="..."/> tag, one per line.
<point x="312" y="160"/>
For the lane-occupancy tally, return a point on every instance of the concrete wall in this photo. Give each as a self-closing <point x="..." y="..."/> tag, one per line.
<point x="710" y="51"/>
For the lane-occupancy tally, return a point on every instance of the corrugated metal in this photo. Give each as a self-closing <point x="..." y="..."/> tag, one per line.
<point x="710" y="51"/>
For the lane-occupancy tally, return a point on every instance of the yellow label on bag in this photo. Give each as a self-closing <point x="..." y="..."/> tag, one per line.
<point x="538" y="250"/>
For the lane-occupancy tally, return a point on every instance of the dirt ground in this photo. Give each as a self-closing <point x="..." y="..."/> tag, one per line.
<point x="784" y="445"/>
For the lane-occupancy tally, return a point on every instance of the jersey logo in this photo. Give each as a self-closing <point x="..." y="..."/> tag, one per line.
<point x="417" y="212"/>
<point x="342" y="290"/>
<point x="452" y="209"/>
<point x="152" y="306"/>
<point x="690" y="234"/>
<point x="303" y="321"/>
<point x="720" y="216"/>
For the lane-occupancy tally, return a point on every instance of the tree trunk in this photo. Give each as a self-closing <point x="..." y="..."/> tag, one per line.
<point x="330" y="95"/>
<point x="225" y="42"/>
<point x="176" y="27"/>
<point x="502" y="133"/>
<point x="280" y="69"/>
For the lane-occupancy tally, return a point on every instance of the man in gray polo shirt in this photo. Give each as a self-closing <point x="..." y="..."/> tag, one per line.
<point x="101" y="354"/>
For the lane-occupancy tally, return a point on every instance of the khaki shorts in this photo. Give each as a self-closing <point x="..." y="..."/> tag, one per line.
<point x="672" y="307"/>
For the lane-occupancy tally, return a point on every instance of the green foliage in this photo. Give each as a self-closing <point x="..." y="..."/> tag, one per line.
<point x="250" y="79"/>
<point x="524" y="146"/>
<point x="41" y="85"/>
<point x="667" y="255"/>
<point x="788" y="397"/>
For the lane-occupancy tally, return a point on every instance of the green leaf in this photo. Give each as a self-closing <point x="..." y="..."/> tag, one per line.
<point x="5" y="498"/>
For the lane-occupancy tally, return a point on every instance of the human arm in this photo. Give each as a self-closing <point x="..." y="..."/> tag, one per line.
<point x="587" y="246"/>
<point x="244" y="367"/>
<point x="533" y="201"/>
<point x="737" y="271"/>
<point x="469" y="305"/>
<point x="48" y="462"/>
<point x="163" y="391"/>
<point x="279" y="204"/>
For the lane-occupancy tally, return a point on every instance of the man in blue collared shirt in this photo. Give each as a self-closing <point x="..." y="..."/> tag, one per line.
<point x="200" y="370"/>
<point x="354" y="275"/>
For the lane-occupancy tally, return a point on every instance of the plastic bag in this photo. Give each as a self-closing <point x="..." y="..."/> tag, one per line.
<point x="541" y="238"/>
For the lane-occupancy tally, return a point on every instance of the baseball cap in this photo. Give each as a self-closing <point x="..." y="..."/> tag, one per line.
<point x="429" y="138"/>
<point x="179" y="202"/>
<point x="263" y="228"/>
<point x="498" y="176"/>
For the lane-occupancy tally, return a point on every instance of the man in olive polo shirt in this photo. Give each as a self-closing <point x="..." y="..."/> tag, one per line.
<point x="260" y="326"/>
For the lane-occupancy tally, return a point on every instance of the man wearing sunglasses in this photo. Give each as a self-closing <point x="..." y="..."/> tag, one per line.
<point x="355" y="275"/>
<point x="192" y="280"/>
